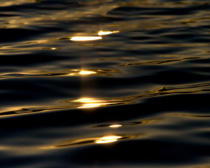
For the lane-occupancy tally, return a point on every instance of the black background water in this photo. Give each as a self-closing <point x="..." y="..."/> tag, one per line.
<point x="138" y="97"/>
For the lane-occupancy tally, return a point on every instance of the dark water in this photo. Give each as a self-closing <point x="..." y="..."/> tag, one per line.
<point x="135" y="92"/>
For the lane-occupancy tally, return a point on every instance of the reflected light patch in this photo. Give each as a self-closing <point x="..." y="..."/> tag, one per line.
<point x="41" y="41"/>
<point x="104" y="33"/>
<point x="86" y="38"/>
<point x="115" y="126"/>
<point x="15" y="2"/>
<point x="87" y="102"/>
<point x="107" y="139"/>
<point x="82" y="73"/>
<point x="86" y="72"/>
<point x="47" y="147"/>
<point x="91" y="105"/>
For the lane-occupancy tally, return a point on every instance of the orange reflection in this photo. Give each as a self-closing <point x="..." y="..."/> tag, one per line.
<point x="87" y="102"/>
<point x="108" y="139"/>
<point x="86" y="38"/>
<point x="115" y="126"/>
<point x="104" y="33"/>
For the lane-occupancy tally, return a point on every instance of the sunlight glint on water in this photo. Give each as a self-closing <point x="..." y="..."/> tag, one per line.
<point x="87" y="102"/>
<point x="86" y="38"/>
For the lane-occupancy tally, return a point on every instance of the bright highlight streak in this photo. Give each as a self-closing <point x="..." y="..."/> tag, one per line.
<point x="115" y="126"/>
<point x="104" y="33"/>
<point x="87" y="102"/>
<point x="108" y="139"/>
<point x="91" y="105"/>
<point x="82" y="73"/>
<point x="86" y="38"/>
<point x="86" y="72"/>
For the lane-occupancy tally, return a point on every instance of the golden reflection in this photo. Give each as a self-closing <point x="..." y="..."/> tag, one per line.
<point x="108" y="139"/>
<point x="160" y="61"/>
<point x="200" y="166"/>
<point x="58" y="15"/>
<point x="53" y="48"/>
<point x="6" y="3"/>
<point x="3" y="148"/>
<point x="57" y="73"/>
<point x="87" y="141"/>
<point x="42" y="41"/>
<point x="86" y="72"/>
<point x="21" y="110"/>
<point x="104" y="33"/>
<point x="85" y="38"/>
<point x="87" y="102"/>
<point x="115" y="125"/>
<point x="82" y="72"/>
<point x="50" y="147"/>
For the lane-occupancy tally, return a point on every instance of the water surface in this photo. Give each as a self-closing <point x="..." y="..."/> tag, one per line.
<point x="104" y="83"/>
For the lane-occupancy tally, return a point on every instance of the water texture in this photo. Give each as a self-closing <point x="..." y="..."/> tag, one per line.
<point x="104" y="83"/>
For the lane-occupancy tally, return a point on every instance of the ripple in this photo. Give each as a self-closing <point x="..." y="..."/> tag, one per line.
<point x="16" y="2"/>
